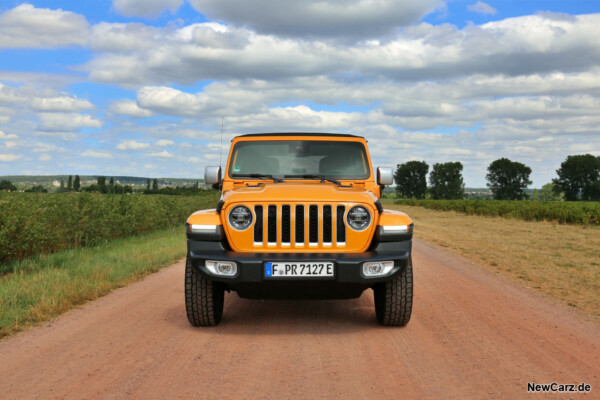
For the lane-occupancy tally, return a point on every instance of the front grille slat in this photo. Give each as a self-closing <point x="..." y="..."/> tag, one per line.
<point x="313" y="225"/>
<point x="327" y="231"/>
<point x="340" y="233"/>
<point x="286" y="229"/>
<point x="272" y="226"/>
<point x="299" y="225"/>
<point x="258" y="225"/>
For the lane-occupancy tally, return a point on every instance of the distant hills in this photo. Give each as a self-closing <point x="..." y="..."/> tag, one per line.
<point x="51" y="181"/>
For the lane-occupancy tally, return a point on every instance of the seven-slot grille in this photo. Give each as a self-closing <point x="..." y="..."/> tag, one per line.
<point x="276" y="227"/>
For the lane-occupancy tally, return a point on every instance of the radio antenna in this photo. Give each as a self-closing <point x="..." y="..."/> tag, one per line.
<point x="221" y="145"/>
<point x="221" y="153"/>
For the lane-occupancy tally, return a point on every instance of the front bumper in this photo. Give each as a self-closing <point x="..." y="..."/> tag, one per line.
<point x="250" y="281"/>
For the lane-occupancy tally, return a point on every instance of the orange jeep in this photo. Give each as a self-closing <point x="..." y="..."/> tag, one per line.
<point x="299" y="217"/>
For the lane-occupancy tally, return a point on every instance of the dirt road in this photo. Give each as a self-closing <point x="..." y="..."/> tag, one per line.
<point x="472" y="335"/>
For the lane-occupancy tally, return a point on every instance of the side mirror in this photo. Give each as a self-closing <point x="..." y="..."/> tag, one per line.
<point x="212" y="175"/>
<point x="385" y="176"/>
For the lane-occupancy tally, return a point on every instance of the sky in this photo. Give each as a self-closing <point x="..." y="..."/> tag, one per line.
<point x="145" y="87"/>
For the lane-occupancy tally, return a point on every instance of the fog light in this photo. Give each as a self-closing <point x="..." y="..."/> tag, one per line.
<point x="221" y="268"/>
<point x="377" y="269"/>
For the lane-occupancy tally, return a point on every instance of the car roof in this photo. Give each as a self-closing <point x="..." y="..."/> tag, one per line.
<point x="300" y="134"/>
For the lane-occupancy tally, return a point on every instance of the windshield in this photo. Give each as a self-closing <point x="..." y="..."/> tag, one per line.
<point x="298" y="158"/>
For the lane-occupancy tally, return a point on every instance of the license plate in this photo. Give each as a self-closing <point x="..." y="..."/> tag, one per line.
<point x="305" y="270"/>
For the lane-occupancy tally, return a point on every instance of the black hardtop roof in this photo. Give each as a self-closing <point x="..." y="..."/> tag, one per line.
<point x="300" y="134"/>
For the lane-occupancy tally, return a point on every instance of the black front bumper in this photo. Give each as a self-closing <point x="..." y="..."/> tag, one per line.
<point x="251" y="282"/>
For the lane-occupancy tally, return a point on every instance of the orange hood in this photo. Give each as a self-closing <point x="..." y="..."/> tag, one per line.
<point x="302" y="192"/>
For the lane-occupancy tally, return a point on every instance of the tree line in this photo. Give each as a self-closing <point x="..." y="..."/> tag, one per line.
<point x="73" y="184"/>
<point x="578" y="179"/>
<point x="152" y="187"/>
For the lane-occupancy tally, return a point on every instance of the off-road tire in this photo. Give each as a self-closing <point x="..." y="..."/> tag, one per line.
<point x="393" y="299"/>
<point x="203" y="298"/>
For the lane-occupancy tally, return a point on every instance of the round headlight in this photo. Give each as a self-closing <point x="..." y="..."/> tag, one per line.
<point x="359" y="218"/>
<point x="240" y="218"/>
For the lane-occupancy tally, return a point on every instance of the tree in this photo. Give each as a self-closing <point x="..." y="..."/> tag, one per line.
<point x="111" y="185"/>
<point x="37" y="189"/>
<point x="155" y="185"/>
<point x="102" y="184"/>
<point x="148" y="184"/>
<point x="62" y="185"/>
<point x="8" y="186"/>
<point x="548" y="192"/>
<point x="579" y="178"/>
<point x="411" y="179"/>
<point x="508" y="179"/>
<point x="70" y="183"/>
<point x="534" y="195"/>
<point x="446" y="181"/>
<point x="76" y="183"/>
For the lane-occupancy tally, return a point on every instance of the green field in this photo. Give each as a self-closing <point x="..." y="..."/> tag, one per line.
<point x="44" y="286"/>
<point x="42" y="223"/>
<point x="564" y="212"/>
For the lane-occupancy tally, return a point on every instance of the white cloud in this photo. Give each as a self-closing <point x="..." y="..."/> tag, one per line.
<point x="167" y="100"/>
<point x="162" y="154"/>
<point x="28" y="27"/>
<point x="67" y="136"/>
<point x="319" y="18"/>
<point x="45" y="157"/>
<point x="60" y="104"/>
<point x="4" y="136"/>
<point x="9" y="157"/>
<point x="482" y="8"/>
<point x="96" y="154"/>
<point x="130" y="109"/>
<point x="122" y="37"/>
<point x="45" y="147"/>
<point x="145" y="8"/>
<point x="526" y="45"/>
<point x="10" y="95"/>
<point x="67" y="121"/>
<point x="132" y="145"/>
<point x="164" y="143"/>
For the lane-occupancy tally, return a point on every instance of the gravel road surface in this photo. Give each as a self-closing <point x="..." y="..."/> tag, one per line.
<point x="472" y="335"/>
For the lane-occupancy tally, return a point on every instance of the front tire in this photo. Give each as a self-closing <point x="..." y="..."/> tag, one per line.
<point x="204" y="298"/>
<point x="393" y="299"/>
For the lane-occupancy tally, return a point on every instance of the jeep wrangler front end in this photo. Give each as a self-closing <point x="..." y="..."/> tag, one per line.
<point x="299" y="217"/>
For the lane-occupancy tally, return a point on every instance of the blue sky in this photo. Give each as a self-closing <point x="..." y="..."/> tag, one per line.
<point x="138" y="87"/>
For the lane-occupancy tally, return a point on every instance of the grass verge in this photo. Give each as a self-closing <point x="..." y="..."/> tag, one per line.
<point x="42" y="287"/>
<point x="562" y="261"/>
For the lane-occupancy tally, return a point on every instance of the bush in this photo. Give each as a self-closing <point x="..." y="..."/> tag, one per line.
<point x="35" y="223"/>
<point x="585" y="213"/>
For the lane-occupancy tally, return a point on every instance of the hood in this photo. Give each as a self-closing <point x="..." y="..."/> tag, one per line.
<point x="301" y="192"/>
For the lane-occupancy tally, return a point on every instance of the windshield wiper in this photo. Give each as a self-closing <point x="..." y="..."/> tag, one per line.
<point x="323" y="178"/>
<point x="259" y="176"/>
